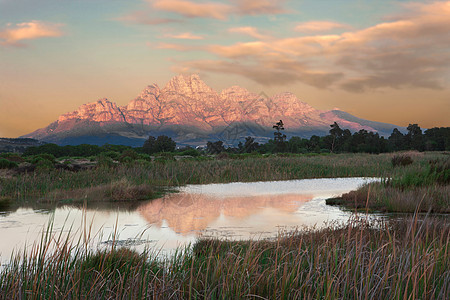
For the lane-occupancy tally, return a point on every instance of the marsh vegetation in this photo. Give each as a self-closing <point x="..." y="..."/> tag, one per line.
<point x="392" y="259"/>
<point x="396" y="257"/>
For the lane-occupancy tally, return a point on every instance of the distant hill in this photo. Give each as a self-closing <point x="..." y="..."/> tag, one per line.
<point x="17" y="145"/>
<point x="192" y="113"/>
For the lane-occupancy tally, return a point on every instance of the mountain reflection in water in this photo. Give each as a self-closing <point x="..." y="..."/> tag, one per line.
<point x="233" y="210"/>
<point x="186" y="212"/>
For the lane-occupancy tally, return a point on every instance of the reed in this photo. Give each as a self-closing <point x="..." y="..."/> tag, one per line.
<point x="379" y="197"/>
<point x="57" y="185"/>
<point x="390" y="259"/>
<point x="423" y="188"/>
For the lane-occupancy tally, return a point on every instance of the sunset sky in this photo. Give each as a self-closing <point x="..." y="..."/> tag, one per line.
<point x="382" y="60"/>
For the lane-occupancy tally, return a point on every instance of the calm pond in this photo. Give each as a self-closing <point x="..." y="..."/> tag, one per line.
<point x="233" y="210"/>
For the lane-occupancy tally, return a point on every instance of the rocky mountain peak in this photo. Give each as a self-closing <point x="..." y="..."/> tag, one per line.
<point x="151" y="89"/>
<point x="236" y="93"/>
<point x="101" y="110"/>
<point x="188" y="85"/>
<point x="188" y="106"/>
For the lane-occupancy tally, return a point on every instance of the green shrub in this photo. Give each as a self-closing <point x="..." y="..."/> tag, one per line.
<point x="143" y="156"/>
<point x="43" y="156"/>
<point x="191" y="152"/>
<point x="44" y="165"/>
<point x="401" y="160"/>
<point x="7" y="164"/>
<point x="126" y="160"/>
<point x="12" y="157"/>
<point x="111" y="154"/>
<point x="47" y="156"/>
<point x="128" y="156"/>
<point x="105" y="161"/>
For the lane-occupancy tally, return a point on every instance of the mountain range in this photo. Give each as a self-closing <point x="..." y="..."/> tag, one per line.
<point x="191" y="112"/>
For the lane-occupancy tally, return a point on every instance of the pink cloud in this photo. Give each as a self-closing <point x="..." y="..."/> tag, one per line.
<point x="411" y="50"/>
<point x="194" y="10"/>
<point x="268" y="72"/>
<point x="240" y="50"/>
<point x="185" y="36"/>
<point x="219" y="11"/>
<point x="250" y="31"/>
<point x="256" y="7"/>
<point x="14" y="34"/>
<point x="315" y="26"/>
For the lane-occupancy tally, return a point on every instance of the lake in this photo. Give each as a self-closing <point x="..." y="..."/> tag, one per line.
<point x="234" y="211"/>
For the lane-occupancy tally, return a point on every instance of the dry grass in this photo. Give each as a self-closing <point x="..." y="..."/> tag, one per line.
<point x="376" y="196"/>
<point x="39" y="185"/>
<point x="422" y="188"/>
<point x="397" y="259"/>
<point x="121" y="190"/>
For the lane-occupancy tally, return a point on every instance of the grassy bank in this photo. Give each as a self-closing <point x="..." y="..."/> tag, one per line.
<point x="143" y="179"/>
<point x="424" y="188"/>
<point x="407" y="259"/>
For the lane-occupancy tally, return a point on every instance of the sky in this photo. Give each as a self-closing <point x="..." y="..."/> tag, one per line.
<point x="382" y="60"/>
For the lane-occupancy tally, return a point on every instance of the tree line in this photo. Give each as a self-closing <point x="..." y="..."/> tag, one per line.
<point x="337" y="141"/>
<point x="342" y="140"/>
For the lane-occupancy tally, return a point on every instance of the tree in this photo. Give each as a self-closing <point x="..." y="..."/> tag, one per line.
<point x="336" y="133"/>
<point x="215" y="147"/>
<point x="279" y="137"/>
<point x="437" y="139"/>
<point x="249" y="146"/>
<point x="149" y="145"/>
<point x="161" y="144"/>
<point x="314" y="144"/>
<point x="298" y="145"/>
<point x="415" y="137"/>
<point x="397" y="140"/>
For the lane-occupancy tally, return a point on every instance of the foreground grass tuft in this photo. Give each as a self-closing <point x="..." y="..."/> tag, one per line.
<point x="393" y="259"/>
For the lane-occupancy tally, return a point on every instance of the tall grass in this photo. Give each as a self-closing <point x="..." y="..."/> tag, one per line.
<point x="385" y="198"/>
<point x="56" y="185"/>
<point x="425" y="187"/>
<point x="394" y="259"/>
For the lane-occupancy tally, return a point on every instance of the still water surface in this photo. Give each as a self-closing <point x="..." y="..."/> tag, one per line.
<point x="233" y="210"/>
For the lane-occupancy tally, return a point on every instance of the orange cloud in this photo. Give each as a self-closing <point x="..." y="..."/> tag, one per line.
<point x="268" y="72"/>
<point x="13" y="35"/>
<point x="217" y="10"/>
<point x="240" y="49"/>
<point x="314" y="26"/>
<point x="250" y="31"/>
<point x="256" y="7"/>
<point x="185" y="36"/>
<point x="411" y="50"/>
<point x="194" y="10"/>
